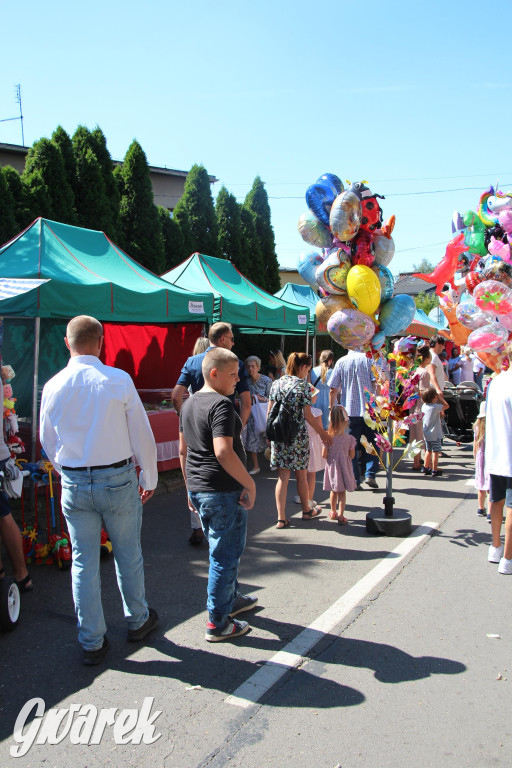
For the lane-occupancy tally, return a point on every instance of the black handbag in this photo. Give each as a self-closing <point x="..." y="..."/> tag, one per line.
<point x="282" y="426"/>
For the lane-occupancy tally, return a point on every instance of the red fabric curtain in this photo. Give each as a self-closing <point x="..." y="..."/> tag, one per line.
<point x="153" y="355"/>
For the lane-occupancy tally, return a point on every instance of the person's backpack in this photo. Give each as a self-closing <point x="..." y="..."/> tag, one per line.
<point x="282" y="427"/>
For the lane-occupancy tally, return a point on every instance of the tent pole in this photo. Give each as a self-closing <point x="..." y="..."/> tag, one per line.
<point x="282" y="344"/>
<point x="313" y="346"/>
<point x="37" y="333"/>
<point x="307" y="341"/>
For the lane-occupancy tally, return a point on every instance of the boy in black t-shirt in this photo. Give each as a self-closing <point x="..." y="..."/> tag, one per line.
<point x="219" y="487"/>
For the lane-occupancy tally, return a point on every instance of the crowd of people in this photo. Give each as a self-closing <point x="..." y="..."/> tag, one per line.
<point x="95" y="431"/>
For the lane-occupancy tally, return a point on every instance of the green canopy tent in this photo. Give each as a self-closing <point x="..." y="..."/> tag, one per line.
<point x="86" y="273"/>
<point x="236" y="299"/>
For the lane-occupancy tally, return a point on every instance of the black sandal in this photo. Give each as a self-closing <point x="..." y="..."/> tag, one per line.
<point x="282" y="524"/>
<point x="23" y="585"/>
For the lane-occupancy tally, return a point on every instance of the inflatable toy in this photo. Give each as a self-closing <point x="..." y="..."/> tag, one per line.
<point x="472" y="280"/>
<point x="319" y="198"/>
<point x="351" y="328"/>
<point x="386" y="282"/>
<point x="328" y="305"/>
<point x="345" y="216"/>
<point x="363" y="288"/>
<point x="488" y="337"/>
<point x="470" y="315"/>
<point x="447" y="267"/>
<point x="307" y="265"/>
<point x="383" y="250"/>
<point x="331" y="275"/>
<point x="395" y="315"/>
<point x="314" y="232"/>
<point x="493" y="297"/>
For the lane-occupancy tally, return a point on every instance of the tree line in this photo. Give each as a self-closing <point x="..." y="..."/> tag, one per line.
<point x="73" y="180"/>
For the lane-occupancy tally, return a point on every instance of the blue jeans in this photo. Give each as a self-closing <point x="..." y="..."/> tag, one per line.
<point x="357" y="428"/>
<point x="91" y="498"/>
<point x="479" y="380"/>
<point x="224" y="523"/>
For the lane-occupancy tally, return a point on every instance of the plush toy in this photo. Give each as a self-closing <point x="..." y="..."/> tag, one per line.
<point x="7" y="373"/>
<point x="9" y="401"/>
<point x="15" y="444"/>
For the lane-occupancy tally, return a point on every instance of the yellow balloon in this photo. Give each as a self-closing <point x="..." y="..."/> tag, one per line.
<point x="363" y="288"/>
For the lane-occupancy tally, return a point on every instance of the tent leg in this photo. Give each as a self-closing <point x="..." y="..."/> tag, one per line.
<point x="282" y="344"/>
<point x="307" y="342"/>
<point x="37" y="333"/>
<point x="313" y="350"/>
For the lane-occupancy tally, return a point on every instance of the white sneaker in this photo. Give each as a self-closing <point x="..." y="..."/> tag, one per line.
<point x="505" y="566"/>
<point x="297" y="499"/>
<point x="495" y="554"/>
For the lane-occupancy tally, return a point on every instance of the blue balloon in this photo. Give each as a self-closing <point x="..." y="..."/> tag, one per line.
<point x="396" y="315"/>
<point x="333" y="180"/>
<point x="307" y="264"/>
<point x="386" y="282"/>
<point x="320" y="197"/>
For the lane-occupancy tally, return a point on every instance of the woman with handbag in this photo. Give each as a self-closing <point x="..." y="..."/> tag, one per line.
<point x="254" y="434"/>
<point x="294" y="390"/>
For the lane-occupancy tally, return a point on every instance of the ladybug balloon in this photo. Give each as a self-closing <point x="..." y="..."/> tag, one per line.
<point x="372" y="214"/>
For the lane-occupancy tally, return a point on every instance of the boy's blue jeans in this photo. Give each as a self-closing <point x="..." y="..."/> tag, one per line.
<point x="224" y="523"/>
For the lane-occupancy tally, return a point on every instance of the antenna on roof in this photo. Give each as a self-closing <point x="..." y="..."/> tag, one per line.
<point x="20" y="118"/>
<point x="18" y="99"/>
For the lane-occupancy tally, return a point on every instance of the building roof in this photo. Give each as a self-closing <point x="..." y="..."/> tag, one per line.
<point x="410" y="285"/>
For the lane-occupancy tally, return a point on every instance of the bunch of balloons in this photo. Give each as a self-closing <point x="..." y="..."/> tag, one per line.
<point x="350" y="273"/>
<point x="478" y="305"/>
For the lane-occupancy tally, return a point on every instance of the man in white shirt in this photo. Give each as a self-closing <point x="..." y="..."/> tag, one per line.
<point x="92" y="422"/>
<point x="498" y="463"/>
<point x="478" y="373"/>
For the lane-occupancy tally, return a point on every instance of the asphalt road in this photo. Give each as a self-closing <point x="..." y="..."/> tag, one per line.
<point x="363" y="651"/>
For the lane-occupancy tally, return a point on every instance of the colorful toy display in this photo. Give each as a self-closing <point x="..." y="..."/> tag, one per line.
<point x="355" y="286"/>
<point x="479" y="312"/>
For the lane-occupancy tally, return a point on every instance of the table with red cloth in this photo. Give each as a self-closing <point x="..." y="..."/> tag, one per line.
<point x="165" y="426"/>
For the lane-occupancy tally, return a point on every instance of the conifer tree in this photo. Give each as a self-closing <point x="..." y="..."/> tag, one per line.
<point x="45" y="174"/>
<point x="62" y="141"/>
<point x="256" y="201"/>
<point x="230" y="230"/>
<point x="8" y="225"/>
<point x="180" y="216"/>
<point x="174" y="252"/>
<point x="91" y="199"/>
<point x="252" y="250"/>
<point x="20" y="196"/>
<point x="141" y="227"/>
<point x="197" y="201"/>
<point x="111" y="187"/>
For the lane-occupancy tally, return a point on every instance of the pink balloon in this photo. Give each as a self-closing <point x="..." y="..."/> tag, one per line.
<point x="488" y="337"/>
<point x="493" y="297"/>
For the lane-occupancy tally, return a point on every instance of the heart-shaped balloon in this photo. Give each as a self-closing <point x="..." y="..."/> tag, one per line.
<point x="345" y="216"/>
<point x="319" y="197"/>
<point x="331" y="275"/>
<point x="313" y="232"/>
<point x="334" y="181"/>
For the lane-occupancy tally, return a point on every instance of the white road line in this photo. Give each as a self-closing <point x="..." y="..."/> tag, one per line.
<point x="293" y="654"/>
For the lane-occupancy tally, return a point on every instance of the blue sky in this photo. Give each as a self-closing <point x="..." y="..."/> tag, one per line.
<point x="412" y="98"/>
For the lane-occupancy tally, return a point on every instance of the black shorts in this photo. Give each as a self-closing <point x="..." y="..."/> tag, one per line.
<point x="500" y="488"/>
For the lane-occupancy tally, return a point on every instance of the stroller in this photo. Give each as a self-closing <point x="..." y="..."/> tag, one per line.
<point x="464" y="401"/>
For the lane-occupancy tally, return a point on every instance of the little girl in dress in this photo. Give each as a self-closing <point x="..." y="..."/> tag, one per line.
<point x="316" y="460"/>
<point x="339" y="475"/>
<point x="481" y="476"/>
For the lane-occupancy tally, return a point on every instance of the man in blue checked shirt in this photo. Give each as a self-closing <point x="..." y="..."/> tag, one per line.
<point x="351" y="375"/>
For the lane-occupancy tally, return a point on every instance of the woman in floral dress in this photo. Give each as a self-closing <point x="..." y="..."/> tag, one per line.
<point x="259" y="387"/>
<point x="295" y="456"/>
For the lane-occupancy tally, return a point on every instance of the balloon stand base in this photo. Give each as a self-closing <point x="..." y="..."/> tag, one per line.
<point x="379" y="523"/>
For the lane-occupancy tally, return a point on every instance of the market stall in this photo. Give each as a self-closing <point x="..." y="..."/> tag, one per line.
<point x="236" y="299"/>
<point x="148" y="322"/>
